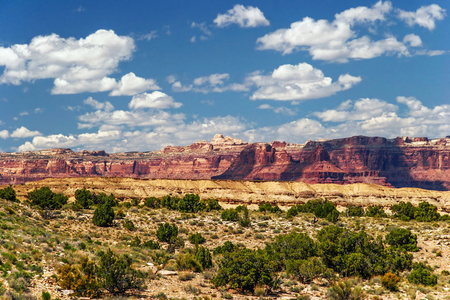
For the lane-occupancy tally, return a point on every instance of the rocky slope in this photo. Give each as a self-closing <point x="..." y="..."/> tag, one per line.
<point x="400" y="162"/>
<point x="283" y="193"/>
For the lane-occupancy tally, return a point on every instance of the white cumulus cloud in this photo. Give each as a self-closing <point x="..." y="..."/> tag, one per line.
<point x="298" y="82"/>
<point x="425" y="16"/>
<point x="278" y="110"/>
<point x="216" y="82"/>
<point x="107" y="106"/>
<point x="76" y="65"/>
<point x="243" y="16"/>
<point x="156" y="100"/>
<point x="70" y="59"/>
<point x="24" y="132"/>
<point x="130" y="84"/>
<point x="361" y="109"/>
<point x="337" y="40"/>
<point x="4" y="134"/>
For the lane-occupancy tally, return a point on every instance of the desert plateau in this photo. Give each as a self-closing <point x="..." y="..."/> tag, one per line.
<point x="59" y="249"/>
<point x="224" y="150"/>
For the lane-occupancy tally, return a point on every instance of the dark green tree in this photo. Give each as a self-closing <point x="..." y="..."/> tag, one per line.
<point x="355" y="253"/>
<point x="426" y="212"/>
<point x="375" y="212"/>
<point x="307" y="270"/>
<point x="267" y="207"/>
<point x="226" y="247"/>
<point x="354" y="211"/>
<point x="404" y="211"/>
<point x="203" y="256"/>
<point x="422" y="274"/>
<point x="196" y="239"/>
<point x="152" y="202"/>
<point x="243" y="270"/>
<point x="189" y="203"/>
<point x="170" y="202"/>
<point x="8" y="193"/>
<point x="116" y="275"/>
<point x="401" y="238"/>
<point x="84" y="198"/>
<point x="293" y="246"/>
<point x="213" y="204"/>
<point x="230" y="215"/>
<point x="103" y="198"/>
<point x="46" y="199"/>
<point x="103" y="215"/>
<point x="323" y="209"/>
<point x="167" y="233"/>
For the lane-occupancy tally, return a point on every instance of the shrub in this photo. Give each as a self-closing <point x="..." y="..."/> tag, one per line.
<point x="426" y="212"/>
<point x="375" y="212"/>
<point x="444" y="218"/>
<point x="230" y="215"/>
<point x="354" y="211"/>
<point x="191" y="203"/>
<point x="421" y="274"/>
<point x="343" y="290"/>
<point x="403" y="211"/>
<point x="308" y="269"/>
<point x="187" y="261"/>
<point x="84" y="198"/>
<point x="170" y="202"/>
<point x="46" y="295"/>
<point x="103" y="215"/>
<point x="323" y="209"/>
<point x="401" y="238"/>
<point x="151" y="245"/>
<point x="244" y="220"/>
<point x="46" y="199"/>
<point x="116" y="274"/>
<point x="292" y="211"/>
<point x="213" y="204"/>
<point x="203" y="256"/>
<point x="226" y="247"/>
<point x="358" y="254"/>
<point x="152" y="202"/>
<point x="8" y="193"/>
<point x="102" y="198"/>
<point x="82" y="278"/>
<point x="196" y="239"/>
<point x="167" y="233"/>
<point x="267" y="207"/>
<point x="244" y="270"/>
<point x="293" y="246"/>
<point x="129" y="225"/>
<point x="389" y="281"/>
<point x="239" y="214"/>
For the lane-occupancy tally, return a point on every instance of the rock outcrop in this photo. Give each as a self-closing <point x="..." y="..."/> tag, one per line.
<point x="400" y="162"/>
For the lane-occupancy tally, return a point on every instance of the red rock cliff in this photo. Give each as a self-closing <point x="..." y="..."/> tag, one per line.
<point x="400" y="162"/>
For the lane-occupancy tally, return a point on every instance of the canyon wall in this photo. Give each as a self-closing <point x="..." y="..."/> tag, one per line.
<point x="399" y="162"/>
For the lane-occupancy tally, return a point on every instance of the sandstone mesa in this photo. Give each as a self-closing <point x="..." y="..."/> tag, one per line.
<point x="399" y="162"/>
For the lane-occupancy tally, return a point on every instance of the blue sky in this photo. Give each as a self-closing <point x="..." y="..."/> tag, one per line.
<point x="141" y="75"/>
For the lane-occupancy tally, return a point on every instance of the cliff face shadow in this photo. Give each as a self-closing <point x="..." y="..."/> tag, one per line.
<point x="241" y="167"/>
<point x="366" y="159"/>
<point x="397" y="168"/>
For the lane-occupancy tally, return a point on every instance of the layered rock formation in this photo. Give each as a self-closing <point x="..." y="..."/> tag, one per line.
<point x="400" y="162"/>
<point x="284" y="193"/>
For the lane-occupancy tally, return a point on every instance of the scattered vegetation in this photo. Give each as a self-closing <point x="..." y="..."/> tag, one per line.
<point x="235" y="251"/>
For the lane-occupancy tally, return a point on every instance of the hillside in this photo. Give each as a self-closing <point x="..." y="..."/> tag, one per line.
<point x="400" y="162"/>
<point x="245" y="192"/>
<point x="37" y="244"/>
